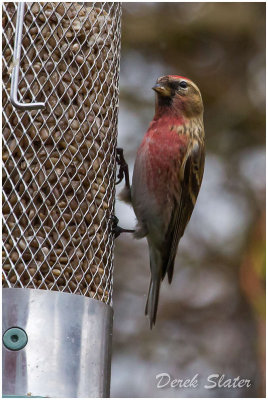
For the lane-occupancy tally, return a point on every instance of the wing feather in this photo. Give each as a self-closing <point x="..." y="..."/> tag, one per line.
<point x="191" y="174"/>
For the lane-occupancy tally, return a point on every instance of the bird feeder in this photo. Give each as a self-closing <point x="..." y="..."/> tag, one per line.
<point x="60" y="109"/>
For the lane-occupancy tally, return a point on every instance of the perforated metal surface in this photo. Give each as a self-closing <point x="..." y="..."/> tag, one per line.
<point x="59" y="163"/>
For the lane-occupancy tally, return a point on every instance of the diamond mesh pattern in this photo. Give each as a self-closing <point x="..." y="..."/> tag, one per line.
<point x="59" y="163"/>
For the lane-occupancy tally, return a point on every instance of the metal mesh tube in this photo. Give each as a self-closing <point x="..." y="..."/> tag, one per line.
<point x="59" y="162"/>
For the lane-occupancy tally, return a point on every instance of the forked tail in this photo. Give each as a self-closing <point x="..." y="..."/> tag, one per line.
<point x="152" y="300"/>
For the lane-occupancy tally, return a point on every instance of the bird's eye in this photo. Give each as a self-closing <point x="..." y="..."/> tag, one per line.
<point x="183" y="84"/>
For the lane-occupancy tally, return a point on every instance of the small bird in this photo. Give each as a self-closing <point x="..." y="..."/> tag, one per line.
<point x="167" y="176"/>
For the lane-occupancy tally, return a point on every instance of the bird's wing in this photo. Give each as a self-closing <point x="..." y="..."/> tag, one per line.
<point x="191" y="174"/>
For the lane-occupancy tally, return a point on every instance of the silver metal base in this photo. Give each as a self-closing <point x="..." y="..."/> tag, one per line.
<point x="68" y="353"/>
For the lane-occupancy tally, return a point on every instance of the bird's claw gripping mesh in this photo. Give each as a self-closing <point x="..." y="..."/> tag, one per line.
<point x="59" y="162"/>
<point x="123" y="168"/>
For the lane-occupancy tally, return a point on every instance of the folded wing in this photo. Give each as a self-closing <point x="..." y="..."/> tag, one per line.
<point x="191" y="174"/>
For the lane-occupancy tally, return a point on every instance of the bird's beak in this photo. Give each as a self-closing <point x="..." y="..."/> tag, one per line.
<point x="162" y="90"/>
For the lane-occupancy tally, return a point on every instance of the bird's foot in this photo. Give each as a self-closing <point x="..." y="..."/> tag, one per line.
<point x="123" y="167"/>
<point x="117" y="230"/>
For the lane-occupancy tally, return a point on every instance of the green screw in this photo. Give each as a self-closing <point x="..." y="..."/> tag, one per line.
<point x="15" y="339"/>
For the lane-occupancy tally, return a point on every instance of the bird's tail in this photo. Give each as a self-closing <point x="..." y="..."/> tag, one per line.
<point x="152" y="300"/>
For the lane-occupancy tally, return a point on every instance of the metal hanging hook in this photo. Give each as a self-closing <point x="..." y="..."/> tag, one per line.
<point x="16" y="62"/>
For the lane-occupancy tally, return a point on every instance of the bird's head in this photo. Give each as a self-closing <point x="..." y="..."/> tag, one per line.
<point x="179" y="95"/>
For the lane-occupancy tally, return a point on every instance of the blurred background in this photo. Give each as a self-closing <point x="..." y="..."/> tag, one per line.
<point x="211" y="319"/>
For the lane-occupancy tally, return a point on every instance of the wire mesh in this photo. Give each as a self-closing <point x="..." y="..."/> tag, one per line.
<point x="59" y="163"/>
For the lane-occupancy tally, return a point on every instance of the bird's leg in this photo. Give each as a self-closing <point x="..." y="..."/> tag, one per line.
<point x="122" y="173"/>
<point x="123" y="167"/>
<point x="117" y="230"/>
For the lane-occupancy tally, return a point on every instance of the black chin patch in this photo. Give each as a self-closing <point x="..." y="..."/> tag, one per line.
<point x="164" y="101"/>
